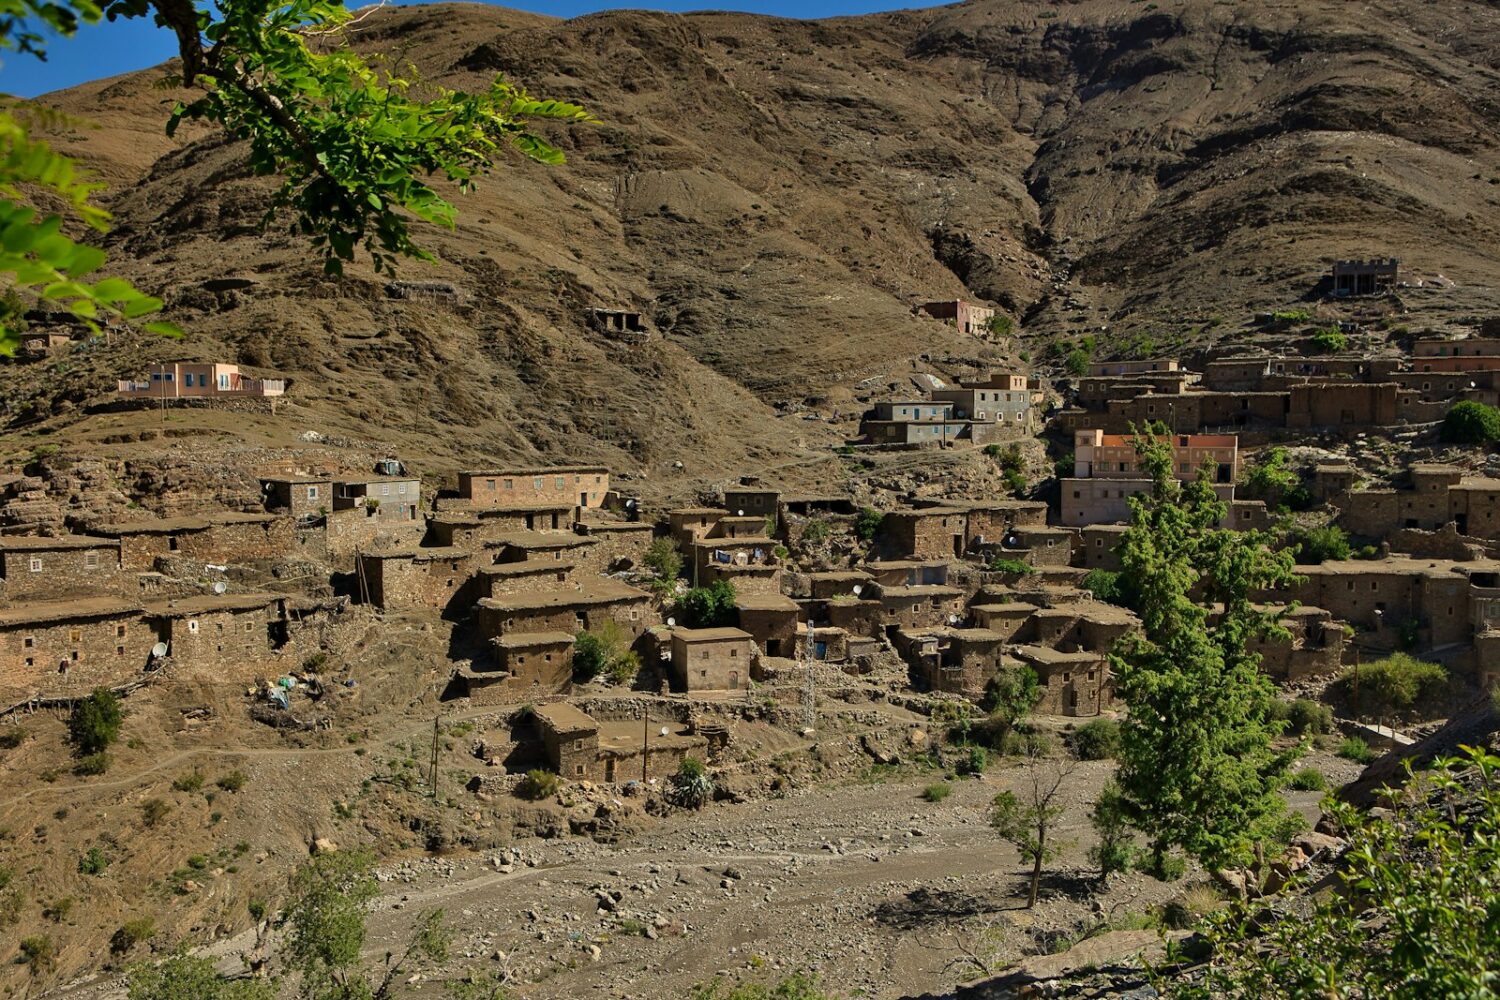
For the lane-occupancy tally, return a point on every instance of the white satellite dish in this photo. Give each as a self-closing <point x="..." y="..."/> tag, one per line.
<point x="665" y="731"/>
<point x="159" y="650"/>
<point x="671" y="622"/>
<point x="220" y="586"/>
<point x="739" y="513"/>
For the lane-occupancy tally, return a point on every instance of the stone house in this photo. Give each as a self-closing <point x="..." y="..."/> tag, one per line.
<point x="966" y="317"/>
<point x="992" y="519"/>
<point x="955" y="660"/>
<point x="1097" y="545"/>
<point x="389" y="498"/>
<point x="1005" y="618"/>
<point x="687" y="525"/>
<point x="55" y="649"/>
<point x="581" y="486"/>
<point x="769" y="619"/>
<point x="923" y="606"/>
<point x="1315" y="647"/>
<point x="748" y="502"/>
<point x="617" y="545"/>
<point x="220" y="637"/>
<point x="535" y="662"/>
<point x="570" y="740"/>
<point x="711" y="659"/>
<point x="929" y="533"/>
<point x="41" y="343"/>
<point x="567" y="609"/>
<point x="1441" y="347"/>
<point x="433" y="579"/>
<point x="34" y="567"/>
<point x="908" y="572"/>
<point x="222" y="537"/>
<point x="863" y="618"/>
<point x="1100" y="368"/>
<point x="1438" y="495"/>
<point x="521" y="577"/>
<point x="1446" y="602"/>
<point x="302" y="497"/>
<point x="839" y="583"/>
<point x="748" y="562"/>
<point x="1072" y="683"/>
<point x="189" y="380"/>
<point x="1036" y="546"/>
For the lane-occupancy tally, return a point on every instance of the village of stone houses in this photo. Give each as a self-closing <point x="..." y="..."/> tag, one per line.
<point x="635" y="736"/>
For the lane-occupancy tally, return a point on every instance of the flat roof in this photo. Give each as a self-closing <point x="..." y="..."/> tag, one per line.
<point x="205" y="603"/>
<point x="747" y="541"/>
<point x="1398" y="565"/>
<point x="42" y="612"/>
<point x="542" y="471"/>
<point x="840" y="574"/>
<point x="600" y="591"/>
<point x="422" y="554"/>
<point x="884" y="564"/>
<point x="765" y="602"/>
<point x="524" y="568"/>
<point x="187" y="522"/>
<point x="378" y="479"/>
<point x="526" y="640"/>
<point x="696" y="635"/>
<point x="564" y="718"/>
<point x="42" y="543"/>
<point x="540" y="540"/>
<point x="1095" y="611"/>
<point x="295" y="480"/>
<point x="1048" y="656"/>
<point x="919" y="590"/>
<point x="1006" y="608"/>
<point x="696" y="511"/>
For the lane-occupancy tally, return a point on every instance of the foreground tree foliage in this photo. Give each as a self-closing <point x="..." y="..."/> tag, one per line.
<point x="1198" y="769"/>
<point x="359" y="148"/>
<point x="1417" y="912"/>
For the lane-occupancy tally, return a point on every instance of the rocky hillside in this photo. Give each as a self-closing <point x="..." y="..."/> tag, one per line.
<point x="775" y="195"/>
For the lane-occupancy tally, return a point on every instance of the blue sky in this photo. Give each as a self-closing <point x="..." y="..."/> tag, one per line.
<point x="109" y="49"/>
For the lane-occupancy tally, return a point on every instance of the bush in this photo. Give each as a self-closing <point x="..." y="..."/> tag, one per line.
<point x="816" y="532"/>
<point x="93" y="863"/>
<point x="95" y="722"/>
<point x="58" y="910"/>
<point x="153" y="811"/>
<point x="39" y="953"/>
<point x="624" y="668"/>
<point x="1077" y="362"/>
<point x="1357" y="750"/>
<point x="867" y="523"/>
<point x="12" y="738"/>
<point x="664" y="559"/>
<point x="1163" y="868"/>
<point x="976" y="761"/>
<point x="937" y="792"/>
<point x="1318" y="545"/>
<point x="132" y="933"/>
<point x="1308" y="779"/>
<point x="191" y="782"/>
<point x="1329" y="341"/>
<point x="588" y="656"/>
<point x="91" y="764"/>
<point x="1115" y="849"/>
<point x="1394" y="684"/>
<point x="605" y="650"/>
<point x="708" y="607"/>
<point x="1470" y="422"/>
<point x="691" y="786"/>
<point x="1272" y="480"/>
<point x="1305" y="717"/>
<point x="1003" y="564"/>
<point x="233" y="781"/>
<point x="1097" y="740"/>
<point x="538" y="785"/>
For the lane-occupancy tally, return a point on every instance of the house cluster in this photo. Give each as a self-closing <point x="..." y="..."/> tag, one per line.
<point x="975" y="412"/>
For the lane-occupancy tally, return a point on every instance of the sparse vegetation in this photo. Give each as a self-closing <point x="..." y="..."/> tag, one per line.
<point x="153" y="811"/>
<point x="1329" y="341"/>
<point x="867" y="523"/>
<point x="1305" y="717"/>
<point x="38" y="953"/>
<point x="538" y="785"/>
<point x="190" y="782"/>
<point x="937" y="792"/>
<point x="605" y="650"/>
<point x="1273" y="480"/>
<point x="1004" y="564"/>
<point x="1318" y="545"/>
<point x="1307" y="779"/>
<point x="132" y="933"/>
<point x="816" y="531"/>
<point x="93" y="862"/>
<point x="233" y="781"/>
<point x="663" y="559"/>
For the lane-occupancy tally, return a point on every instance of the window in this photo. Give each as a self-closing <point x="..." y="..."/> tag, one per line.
<point x="736" y="652"/>
<point x="91" y="560"/>
<point x="119" y="631"/>
<point x="536" y="484"/>
<point x="578" y="745"/>
<point x="312" y="493"/>
<point x="193" y="627"/>
<point x="74" y="635"/>
<point x="510" y="484"/>
<point x="561" y="482"/>
<point x="187" y="379"/>
<point x="29" y="642"/>
<point x="119" y="650"/>
<point x="36" y="564"/>
<point x="579" y="769"/>
<point x="385" y="489"/>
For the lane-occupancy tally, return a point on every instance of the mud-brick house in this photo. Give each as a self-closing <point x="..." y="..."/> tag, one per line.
<point x="747" y="561"/>
<point x="966" y="317"/>
<point x="1072" y="683"/>
<point x="1444" y="600"/>
<point x="526" y="665"/>
<point x="956" y="660"/>
<point x="1314" y="645"/>
<point x="1098" y="545"/>
<point x="570" y="740"/>
<point x="538" y="546"/>
<point x="221" y="637"/>
<point x="687" y="525"/>
<point x="921" y="606"/>
<point x="771" y="620"/>
<point x="57" y="649"/>
<point x="301" y="497"/>
<point x="831" y="584"/>
<point x="1085" y="625"/>
<point x="567" y="609"/>
<point x="519" y="577"/>
<point x="1035" y="545"/>
<point x="37" y="568"/>
<point x="417" y="579"/>
<point x="929" y="533"/>
<point x="572" y="486"/>
<point x="745" y="501"/>
<point x="224" y="537"/>
<point x="711" y="659"/>
<point x="1006" y="618"/>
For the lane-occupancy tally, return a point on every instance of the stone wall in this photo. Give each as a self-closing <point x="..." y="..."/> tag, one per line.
<point x="43" y="573"/>
<point x="58" y="656"/>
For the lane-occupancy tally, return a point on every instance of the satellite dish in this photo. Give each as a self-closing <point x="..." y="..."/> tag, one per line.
<point x="159" y="650"/>
<point x="629" y="503"/>
<point x="739" y="513"/>
<point x="265" y="487"/>
<point x="671" y="622"/>
<point x="857" y="588"/>
<point x="665" y="731"/>
<point x="220" y="586"/>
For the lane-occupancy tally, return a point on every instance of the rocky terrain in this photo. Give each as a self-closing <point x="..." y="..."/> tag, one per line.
<point x="774" y="195"/>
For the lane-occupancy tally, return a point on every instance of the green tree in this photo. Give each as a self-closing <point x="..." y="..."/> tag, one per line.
<point x="183" y="977"/>
<point x="95" y="722"/>
<point x="1273" y="480"/>
<point x="1008" y="697"/>
<point x="357" y="152"/>
<point x="1329" y="341"/>
<point x="1417" y="916"/>
<point x="1028" y="821"/>
<point x="1471" y="422"/>
<point x="708" y="607"/>
<point x="1115" y="849"/>
<point x="1317" y="545"/>
<point x="605" y="650"/>
<point x="867" y="523"/>
<point x="1393" y="685"/>
<point x="1198" y="768"/>
<point x="1110" y="586"/>
<point x="663" y="558"/>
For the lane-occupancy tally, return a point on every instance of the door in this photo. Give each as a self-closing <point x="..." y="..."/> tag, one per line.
<point x="583" y="499"/>
<point x="734" y="680"/>
<point x="609" y="769"/>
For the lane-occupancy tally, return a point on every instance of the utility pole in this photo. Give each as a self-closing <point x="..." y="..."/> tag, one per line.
<point x="645" y="740"/>
<point x="810" y="687"/>
<point x="434" y="755"/>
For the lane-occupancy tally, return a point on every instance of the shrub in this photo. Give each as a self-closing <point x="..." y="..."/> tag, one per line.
<point x="1272" y="480"/>
<point x="1357" y="750"/>
<point x="538" y="785"/>
<point x="976" y="761"/>
<point x="588" y="656"/>
<point x="867" y="523"/>
<point x="58" y="910"/>
<point x="1077" y="362"/>
<point x="191" y="782"/>
<point x="708" y="607"/>
<point x="93" y="863"/>
<point x="816" y="532"/>
<point x="663" y="558"/>
<point x="1394" y="684"/>
<point x="1097" y="740"/>
<point x="937" y="792"/>
<point x="1470" y="422"/>
<point x="12" y="738"/>
<point x="624" y="668"/>
<point x="1329" y="341"/>
<point x="1164" y="868"/>
<point x="1308" y="779"/>
<point x="38" y="953"/>
<point x="93" y="763"/>
<point x="153" y="811"/>
<point x="1002" y="325"/>
<point x="1107" y="585"/>
<point x="1317" y="545"/>
<point x="1003" y="564"/>
<point x="132" y="933"/>
<point x="691" y="786"/>
<point x="1305" y="717"/>
<point x="95" y="722"/>
<point x="233" y="781"/>
<point x="1115" y="849"/>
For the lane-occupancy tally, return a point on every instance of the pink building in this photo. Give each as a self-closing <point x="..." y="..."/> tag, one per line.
<point x="965" y="316"/>
<point x="191" y="380"/>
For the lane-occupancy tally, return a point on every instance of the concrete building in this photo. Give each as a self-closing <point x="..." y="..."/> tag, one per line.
<point x="1107" y="472"/>
<point x="389" y="498"/>
<point x="188" y="380"/>
<point x="966" y="317"/>
<point x="1004" y="400"/>
<point x="509" y="489"/>
<point x="908" y="411"/>
<point x="1365" y="277"/>
<point x="298" y="496"/>
<point x="711" y="659"/>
